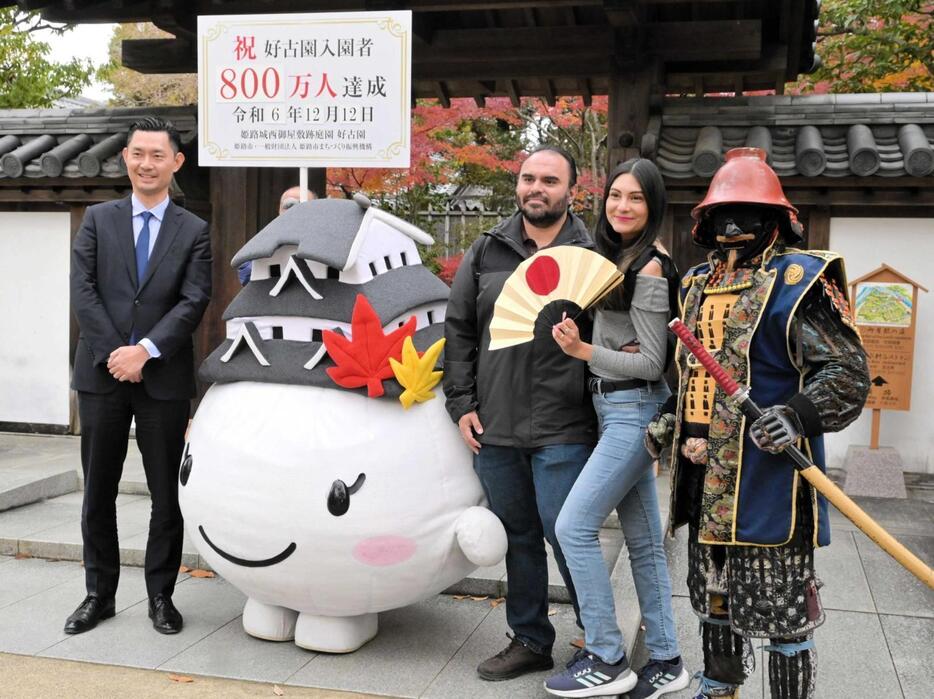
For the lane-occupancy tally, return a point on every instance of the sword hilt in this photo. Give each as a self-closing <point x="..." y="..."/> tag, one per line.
<point x="719" y="374"/>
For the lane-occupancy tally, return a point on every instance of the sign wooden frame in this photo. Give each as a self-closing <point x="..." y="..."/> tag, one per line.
<point x="887" y="321"/>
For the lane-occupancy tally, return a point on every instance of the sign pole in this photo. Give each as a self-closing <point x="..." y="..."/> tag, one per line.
<point x="874" y="434"/>
<point x="303" y="183"/>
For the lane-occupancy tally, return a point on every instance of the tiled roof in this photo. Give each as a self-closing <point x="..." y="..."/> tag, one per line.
<point x="886" y="135"/>
<point x="75" y="142"/>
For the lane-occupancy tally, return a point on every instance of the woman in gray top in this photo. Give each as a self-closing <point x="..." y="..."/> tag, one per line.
<point x="627" y="360"/>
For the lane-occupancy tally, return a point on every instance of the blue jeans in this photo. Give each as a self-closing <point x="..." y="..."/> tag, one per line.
<point x="526" y="488"/>
<point x="619" y="475"/>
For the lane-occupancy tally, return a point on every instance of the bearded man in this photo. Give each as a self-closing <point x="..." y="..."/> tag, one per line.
<point x="524" y="411"/>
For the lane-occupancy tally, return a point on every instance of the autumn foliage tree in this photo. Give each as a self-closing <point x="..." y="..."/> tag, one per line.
<point x="873" y="46"/>
<point x="448" y="145"/>
<point x="29" y="78"/>
<point x="134" y="89"/>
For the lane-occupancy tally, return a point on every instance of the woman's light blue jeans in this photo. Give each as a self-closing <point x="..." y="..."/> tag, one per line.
<point x="619" y="475"/>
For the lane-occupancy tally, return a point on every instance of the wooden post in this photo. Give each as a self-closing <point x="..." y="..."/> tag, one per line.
<point x="818" y="228"/>
<point x="629" y="99"/>
<point x="874" y="435"/>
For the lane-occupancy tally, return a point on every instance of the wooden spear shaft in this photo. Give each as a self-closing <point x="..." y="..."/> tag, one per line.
<point x="809" y="471"/>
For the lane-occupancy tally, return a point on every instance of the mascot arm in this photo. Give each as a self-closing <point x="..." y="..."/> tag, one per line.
<point x="481" y="536"/>
<point x="836" y="373"/>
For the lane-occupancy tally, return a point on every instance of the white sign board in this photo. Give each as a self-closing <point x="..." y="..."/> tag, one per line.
<point x="305" y="90"/>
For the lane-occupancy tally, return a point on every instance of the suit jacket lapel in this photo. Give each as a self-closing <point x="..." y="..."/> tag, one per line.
<point x="123" y="227"/>
<point x="171" y="223"/>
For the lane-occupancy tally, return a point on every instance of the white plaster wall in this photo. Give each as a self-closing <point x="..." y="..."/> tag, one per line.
<point x="907" y="244"/>
<point x="34" y="366"/>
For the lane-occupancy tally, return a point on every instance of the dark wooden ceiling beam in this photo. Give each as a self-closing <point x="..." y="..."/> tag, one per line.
<point x="159" y="55"/>
<point x="772" y="60"/>
<point x="180" y="56"/>
<point x="551" y="39"/>
<point x="624" y="13"/>
<point x="705" y="40"/>
<point x="669" y="41"/>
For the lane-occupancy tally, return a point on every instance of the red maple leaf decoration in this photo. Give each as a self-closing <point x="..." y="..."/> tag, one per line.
<point x="363" y="360"/>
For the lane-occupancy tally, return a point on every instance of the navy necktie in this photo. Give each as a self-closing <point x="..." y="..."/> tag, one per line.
<point x="142" y="258"/>
<point x="142" y="247"/>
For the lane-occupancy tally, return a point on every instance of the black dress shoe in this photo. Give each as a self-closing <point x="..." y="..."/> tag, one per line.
<point x="92" y="610"/>
<point x="165" y="617"/>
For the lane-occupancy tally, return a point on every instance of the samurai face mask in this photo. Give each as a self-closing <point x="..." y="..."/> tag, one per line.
<point x="747" y="230"/>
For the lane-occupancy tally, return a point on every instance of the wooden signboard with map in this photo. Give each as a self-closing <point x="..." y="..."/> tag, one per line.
<point x="884" y="306"/>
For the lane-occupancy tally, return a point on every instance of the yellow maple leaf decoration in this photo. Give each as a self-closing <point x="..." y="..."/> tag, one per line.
<point x="416" y="374"/>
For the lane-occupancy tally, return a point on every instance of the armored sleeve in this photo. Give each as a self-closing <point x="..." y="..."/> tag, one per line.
<point x="827" y="346"/>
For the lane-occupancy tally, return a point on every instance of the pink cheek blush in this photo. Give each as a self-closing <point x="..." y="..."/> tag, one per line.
<point x="384" y="550"/>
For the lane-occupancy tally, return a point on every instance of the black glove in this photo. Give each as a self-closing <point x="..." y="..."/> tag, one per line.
<point x="778" y="427"/>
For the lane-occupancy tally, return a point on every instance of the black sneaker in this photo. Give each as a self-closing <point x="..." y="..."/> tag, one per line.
<point x="513" y="661"/>
<point x="658" y="677"/>
<point x="588" y="676"/>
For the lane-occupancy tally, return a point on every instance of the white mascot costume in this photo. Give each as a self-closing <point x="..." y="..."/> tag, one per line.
<point x="320" y="478"/>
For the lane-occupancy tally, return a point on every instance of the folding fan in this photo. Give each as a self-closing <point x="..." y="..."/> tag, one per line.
<point x="564" y="273"/>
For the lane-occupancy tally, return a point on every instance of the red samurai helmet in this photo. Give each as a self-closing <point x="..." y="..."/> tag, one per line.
<point x="745" y="178"/>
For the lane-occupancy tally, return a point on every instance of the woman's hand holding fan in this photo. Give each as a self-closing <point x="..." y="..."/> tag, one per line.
<point x="563" y="273"/>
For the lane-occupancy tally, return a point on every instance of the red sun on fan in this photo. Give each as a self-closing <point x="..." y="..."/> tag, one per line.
<point x="543" y="275"/>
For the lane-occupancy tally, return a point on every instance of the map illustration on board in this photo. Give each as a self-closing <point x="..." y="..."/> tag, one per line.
<point x="883" y="303"/>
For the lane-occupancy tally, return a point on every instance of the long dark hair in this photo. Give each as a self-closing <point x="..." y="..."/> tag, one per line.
<point x="609" y="242"/>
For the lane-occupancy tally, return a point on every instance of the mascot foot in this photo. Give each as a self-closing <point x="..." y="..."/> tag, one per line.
<point x="268" y="621"/>
<point x="334" y="634"/>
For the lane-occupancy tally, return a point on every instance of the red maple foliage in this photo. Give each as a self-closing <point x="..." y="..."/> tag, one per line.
<point x="448" y="266"/>
<point x="434" y="157"/>
<point x="363" y="360"/>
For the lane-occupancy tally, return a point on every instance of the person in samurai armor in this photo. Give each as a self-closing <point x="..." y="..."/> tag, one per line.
<point x="777" y="319"/>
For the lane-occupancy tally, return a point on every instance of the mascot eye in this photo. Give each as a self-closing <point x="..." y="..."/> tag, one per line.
<point x="185" y="471"/>
<point x="339" y="497"/>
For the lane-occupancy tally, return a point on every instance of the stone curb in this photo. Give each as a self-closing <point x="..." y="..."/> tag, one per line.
<point x="61" y="483"/>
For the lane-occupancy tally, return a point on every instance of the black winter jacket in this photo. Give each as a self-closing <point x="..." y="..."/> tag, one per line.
<point x="529" y="395"/>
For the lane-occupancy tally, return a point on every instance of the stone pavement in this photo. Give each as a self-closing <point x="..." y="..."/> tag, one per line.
<point x="878" y="639"/>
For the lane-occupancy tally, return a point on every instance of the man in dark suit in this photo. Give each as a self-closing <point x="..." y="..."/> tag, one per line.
<point x="140" y="282"/>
